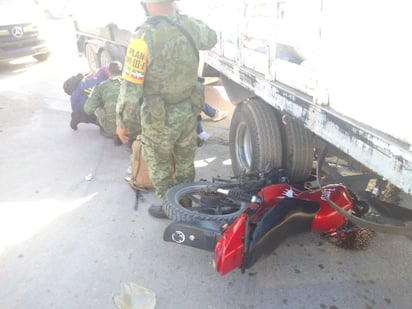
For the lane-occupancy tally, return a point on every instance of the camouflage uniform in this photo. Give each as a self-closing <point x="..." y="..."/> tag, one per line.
<point x="128" y="110"/>
<point x="160" y="73"/>
<point x="102" y="103"/>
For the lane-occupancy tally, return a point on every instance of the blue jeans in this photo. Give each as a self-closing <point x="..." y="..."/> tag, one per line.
<point x="209" y="111"/>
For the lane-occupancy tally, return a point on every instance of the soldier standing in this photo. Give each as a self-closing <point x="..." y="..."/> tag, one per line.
<point x="160" y="73"/>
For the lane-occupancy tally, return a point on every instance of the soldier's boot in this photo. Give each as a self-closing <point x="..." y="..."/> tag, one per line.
<point x="157" y="212"/>
<point x="156" y="209"/>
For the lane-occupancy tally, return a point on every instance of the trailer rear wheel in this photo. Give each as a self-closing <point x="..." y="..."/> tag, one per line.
<point x="298" y="150"/>
<point x="92" y="58"/>
<point x="105" y="58"/>
<point x="255" y="140"/>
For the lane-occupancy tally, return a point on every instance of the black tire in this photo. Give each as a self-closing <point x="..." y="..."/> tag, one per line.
<point x="298" y="150"/>
<point x="205" y="205"/>
<point x="255" y="139"/>
<point x="105" y="58"/>
<point x="92" y="58"/>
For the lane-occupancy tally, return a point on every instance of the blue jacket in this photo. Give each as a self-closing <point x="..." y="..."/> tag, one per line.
<point x="82" y="91"/>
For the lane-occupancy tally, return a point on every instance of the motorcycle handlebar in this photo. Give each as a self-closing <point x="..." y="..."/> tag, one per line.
<point x="241" y="196"/>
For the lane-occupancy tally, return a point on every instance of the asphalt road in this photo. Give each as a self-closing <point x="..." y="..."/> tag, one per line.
<point x="66" y="242"/>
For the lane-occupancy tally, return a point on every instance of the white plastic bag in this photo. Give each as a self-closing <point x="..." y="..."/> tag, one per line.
<point x="134" y="296"/>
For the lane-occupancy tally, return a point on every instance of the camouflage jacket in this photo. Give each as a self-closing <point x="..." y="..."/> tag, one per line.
<point x="104" y="96"/>
<point x="160" y="61"/>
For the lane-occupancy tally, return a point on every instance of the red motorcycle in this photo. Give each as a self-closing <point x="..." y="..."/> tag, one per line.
<point x="246" y="218"/>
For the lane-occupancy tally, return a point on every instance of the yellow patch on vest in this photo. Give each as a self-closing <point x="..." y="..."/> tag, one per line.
<point x="135" y="62"/>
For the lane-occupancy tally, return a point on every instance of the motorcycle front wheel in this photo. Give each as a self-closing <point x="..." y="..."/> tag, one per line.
<point x="198" y="201"/>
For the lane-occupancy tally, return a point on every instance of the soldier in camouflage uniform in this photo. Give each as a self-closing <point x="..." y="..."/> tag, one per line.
<point x="103" y="99"/>
<point x="160" y="73"/>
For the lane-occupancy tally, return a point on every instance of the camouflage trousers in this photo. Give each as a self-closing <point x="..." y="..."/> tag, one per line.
<point x="106" y="120"/>
<point x="134" y="130"/>
<point x="166" y="140"/>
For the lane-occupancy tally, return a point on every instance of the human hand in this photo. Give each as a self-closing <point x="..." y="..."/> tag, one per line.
<point x="122" y="134"/>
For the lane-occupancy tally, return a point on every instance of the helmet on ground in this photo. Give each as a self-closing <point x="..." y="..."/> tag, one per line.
<point x="156" y="1"/>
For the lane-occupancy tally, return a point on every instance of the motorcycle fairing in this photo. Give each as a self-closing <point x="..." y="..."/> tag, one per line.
<point x="271" y="195"/>
<point x="229" y="248"/>
<point x="289" y="217"/>
<point x="199" y="234"/>
<point x="328" y="218"/>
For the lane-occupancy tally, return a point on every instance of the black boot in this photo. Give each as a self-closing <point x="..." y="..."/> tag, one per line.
<point x="157" y="212"/>
<point x="75" y="120"/>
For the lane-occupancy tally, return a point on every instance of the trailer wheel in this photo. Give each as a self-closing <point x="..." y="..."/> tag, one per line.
<point x="92" y="58"/>
<point x="105" y="58"/>
<point x="255" y="140"/>
<point x="298" y="150"/>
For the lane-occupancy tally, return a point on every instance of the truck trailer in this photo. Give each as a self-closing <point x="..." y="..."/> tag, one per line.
<point x="311" y="80"/>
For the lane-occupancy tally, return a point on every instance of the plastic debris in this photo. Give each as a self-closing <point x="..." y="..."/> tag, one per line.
<point x="133" y="296"/>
